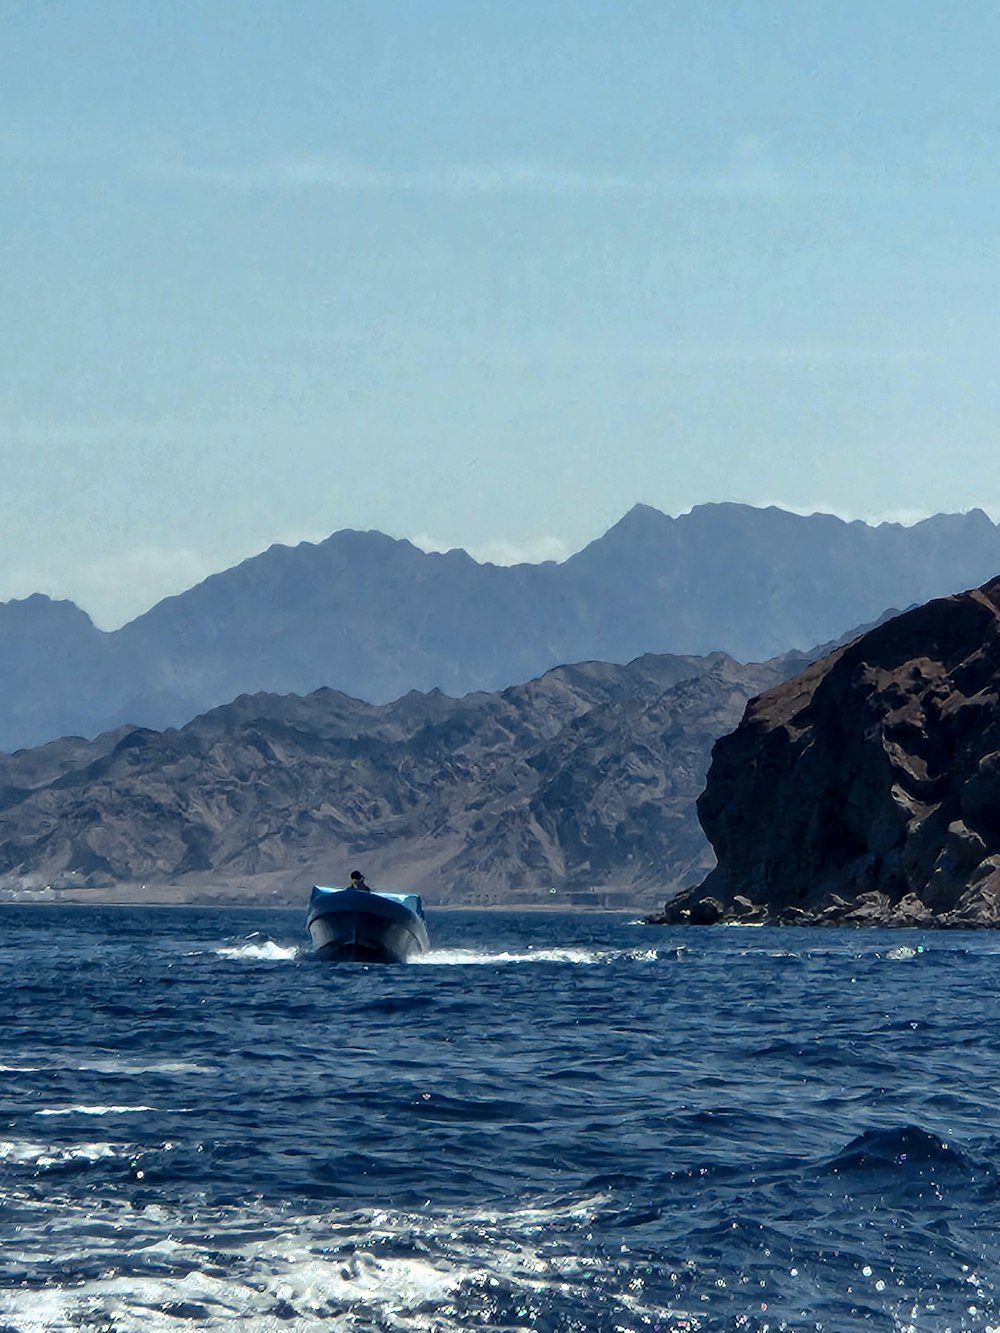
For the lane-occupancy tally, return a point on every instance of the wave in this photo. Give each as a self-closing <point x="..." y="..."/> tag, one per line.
<point x="114" y="1067"/>
<point x="94" y="1110"/>
<point x="135" y="1068"/>
<point x="576" y="956"/>
<point x="19" y="1152"/>
<point x="267" y="951"/>
<point x="904" y="953"/>
<point x="256" y="949"/>
<point x="349" y="1272"/>
<point x="901" y="1147"/>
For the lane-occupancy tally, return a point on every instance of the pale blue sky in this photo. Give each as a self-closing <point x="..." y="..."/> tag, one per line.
<point x="483" y="274"/>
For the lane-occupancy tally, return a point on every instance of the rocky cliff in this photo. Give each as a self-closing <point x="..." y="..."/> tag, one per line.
<point x="583" y="780"/>
<point x="866" y="790"/>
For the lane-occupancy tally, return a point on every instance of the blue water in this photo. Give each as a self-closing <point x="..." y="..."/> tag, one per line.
<point x="554" y="1122"/>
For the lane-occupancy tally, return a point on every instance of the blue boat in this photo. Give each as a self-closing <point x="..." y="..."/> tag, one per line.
<point x="366" y="925"/>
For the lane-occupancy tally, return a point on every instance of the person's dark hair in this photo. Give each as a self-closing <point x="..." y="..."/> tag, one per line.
<point x="356" y="874"/>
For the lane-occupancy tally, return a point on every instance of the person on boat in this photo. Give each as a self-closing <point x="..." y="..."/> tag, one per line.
<point x="358" y="881"/>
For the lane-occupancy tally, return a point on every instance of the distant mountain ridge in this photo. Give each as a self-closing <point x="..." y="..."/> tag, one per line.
<point x="376" y="617"/>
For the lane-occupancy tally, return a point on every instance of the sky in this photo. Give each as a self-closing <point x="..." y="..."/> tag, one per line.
<point x="483" y="273"/>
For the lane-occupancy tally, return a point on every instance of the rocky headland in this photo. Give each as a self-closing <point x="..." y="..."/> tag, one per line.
<point x="866" y="790"/>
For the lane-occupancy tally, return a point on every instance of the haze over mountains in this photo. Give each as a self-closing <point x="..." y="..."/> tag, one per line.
<point x="375" y="617"/>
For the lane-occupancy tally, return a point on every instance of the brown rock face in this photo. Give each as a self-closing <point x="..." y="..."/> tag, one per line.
<point x="867" y="789"/>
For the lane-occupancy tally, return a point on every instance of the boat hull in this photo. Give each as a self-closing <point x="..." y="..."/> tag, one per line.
<point x="357" y="926"/>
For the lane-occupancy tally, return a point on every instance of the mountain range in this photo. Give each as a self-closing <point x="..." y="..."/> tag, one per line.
<point x="580" y="784"/>
<point x="376" y="617"/>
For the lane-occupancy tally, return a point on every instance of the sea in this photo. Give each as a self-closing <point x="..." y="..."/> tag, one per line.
<point x="551" y="1122"/>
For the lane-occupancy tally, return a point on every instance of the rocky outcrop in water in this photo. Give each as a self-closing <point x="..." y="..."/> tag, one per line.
<point x="866" y="790"/>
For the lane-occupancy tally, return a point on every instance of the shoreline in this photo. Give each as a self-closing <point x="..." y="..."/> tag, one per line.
<point x="234" y="906"/>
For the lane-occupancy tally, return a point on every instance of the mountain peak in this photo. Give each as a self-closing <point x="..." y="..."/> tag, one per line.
<point x="40" y="609"/>
<point x="642" y="521"/>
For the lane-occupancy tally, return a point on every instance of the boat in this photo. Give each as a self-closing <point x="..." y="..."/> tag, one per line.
<point x="366" y="925"/>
